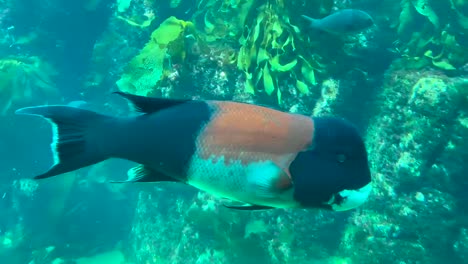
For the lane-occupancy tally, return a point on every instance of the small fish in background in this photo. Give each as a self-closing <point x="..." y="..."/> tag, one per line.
<point x="258" y="156"/>
<point x="345" y="21"/>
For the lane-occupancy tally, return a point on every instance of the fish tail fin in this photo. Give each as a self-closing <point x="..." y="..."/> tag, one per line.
<point x="76" y="136"/>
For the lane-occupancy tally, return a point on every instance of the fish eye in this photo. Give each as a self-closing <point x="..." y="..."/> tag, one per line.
<point x="341" y="157"/>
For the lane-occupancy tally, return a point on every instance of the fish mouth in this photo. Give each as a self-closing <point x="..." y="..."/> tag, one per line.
<point x="350" y="199"/>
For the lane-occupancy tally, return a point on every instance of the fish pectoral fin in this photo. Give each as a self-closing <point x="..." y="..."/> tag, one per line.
<point x="149" y="105"/>
<point x="248" y="207"/>
<point x="141" y="173"/>
<point x="268" y="180"/>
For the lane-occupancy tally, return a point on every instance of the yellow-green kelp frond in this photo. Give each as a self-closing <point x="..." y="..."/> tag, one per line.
<point x="273" y="49"/>
<point x="430" y="33"/>
<point x="165" y="48"/>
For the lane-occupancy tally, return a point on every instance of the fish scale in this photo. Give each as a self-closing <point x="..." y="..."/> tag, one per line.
<point x="214" y="176"/>
<point x="235" y="180"/>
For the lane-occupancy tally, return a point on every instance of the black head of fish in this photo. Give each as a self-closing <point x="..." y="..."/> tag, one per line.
<point x="334" y="173"/>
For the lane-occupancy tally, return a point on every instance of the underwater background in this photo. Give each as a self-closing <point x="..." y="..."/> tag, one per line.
<point x="403" y="82"/>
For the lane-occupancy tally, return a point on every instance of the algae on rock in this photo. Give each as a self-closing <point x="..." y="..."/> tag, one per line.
<point x="165" y="47"/>
<point x="408" y="140"/>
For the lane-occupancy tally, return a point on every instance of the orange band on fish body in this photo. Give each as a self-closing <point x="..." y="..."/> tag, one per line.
<point x="250" y="133"/>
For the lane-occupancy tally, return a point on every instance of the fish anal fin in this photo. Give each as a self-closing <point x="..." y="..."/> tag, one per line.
<point x="150" y="105"/>
<point x="142" y="173"/>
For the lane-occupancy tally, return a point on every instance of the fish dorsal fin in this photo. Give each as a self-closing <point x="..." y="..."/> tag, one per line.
<point x="150" y="105"/>
<point x="141" y="173"/>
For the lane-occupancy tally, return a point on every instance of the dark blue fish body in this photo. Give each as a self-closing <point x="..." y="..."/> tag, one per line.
<point x="246" y="153"/>
<point x="345" y="21"/>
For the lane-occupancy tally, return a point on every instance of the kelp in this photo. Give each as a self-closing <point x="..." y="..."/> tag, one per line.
<point x="431" y="32"/>
<point x="166" y="47"/>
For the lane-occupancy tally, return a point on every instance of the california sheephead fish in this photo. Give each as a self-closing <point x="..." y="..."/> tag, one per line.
<point x="260" y="157"/>
<point x="344" y="21"/>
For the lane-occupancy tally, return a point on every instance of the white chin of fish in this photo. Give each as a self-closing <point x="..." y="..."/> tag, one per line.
<point x="352" y="198"/>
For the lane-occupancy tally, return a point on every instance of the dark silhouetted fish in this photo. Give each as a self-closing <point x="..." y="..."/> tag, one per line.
<point x="261" y="157"/>
<point x="342" y="22"/>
